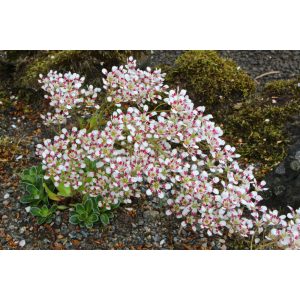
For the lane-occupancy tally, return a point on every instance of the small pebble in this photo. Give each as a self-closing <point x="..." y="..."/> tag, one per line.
<point x="84" y="233"/>
<point x="22" y="229"/>
<point x="6" y="196"/>
<point x="163" y="241"/>
<point x="58" y="220"/>
<point x="64" y="229"/>
<point x="22" y="243"/>
<point x="72" y="235"/>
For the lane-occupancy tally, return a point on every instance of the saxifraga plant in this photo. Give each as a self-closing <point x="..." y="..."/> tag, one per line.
<point x="134" y="135"/>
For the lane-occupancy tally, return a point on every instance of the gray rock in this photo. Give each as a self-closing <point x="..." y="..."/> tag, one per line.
<point x="58" y="220"/>
<point x="284" y="181"/>
<point x="22" y="243"/>
<point x="73" y="235"/>
<point x="280" y="170"/>
<point x="156" y="238"/>
<point x="295" y="165"/>
<point x="297" y="155"/>
<point x="84" y="233"/>
<point x="64" y="229"/>
<point x="79" y="236"/>
<point x="279" y="189"/>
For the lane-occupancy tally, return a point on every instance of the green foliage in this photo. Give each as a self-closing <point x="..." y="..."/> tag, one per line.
<point x="42" y="196"/>
<point x="36" y="195"/>
<point x="33" y="181"/>
<point x="88" y="213"/>
<point x="210" y="79"/>
<point x="43" y="214"/>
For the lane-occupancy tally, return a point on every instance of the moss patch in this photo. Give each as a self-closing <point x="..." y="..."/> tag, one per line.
<point x="282" y="88"/>
<point x="210" y="79"/>
<point x="29" y="64"/>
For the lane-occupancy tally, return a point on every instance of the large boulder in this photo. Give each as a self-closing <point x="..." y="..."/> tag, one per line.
<point x="284" y="180"/>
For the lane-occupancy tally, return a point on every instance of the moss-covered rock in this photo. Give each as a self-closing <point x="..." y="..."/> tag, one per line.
<point x="88" y="63"/>
<point x="210" y="79"/>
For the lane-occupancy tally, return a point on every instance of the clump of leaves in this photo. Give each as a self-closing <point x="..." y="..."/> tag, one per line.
<point x="44" y="214"/>
<point x="40" y="194"/>
<point x="38" y="191"/>
<point x="33" y="181"/>
<point x="88" y="213"/>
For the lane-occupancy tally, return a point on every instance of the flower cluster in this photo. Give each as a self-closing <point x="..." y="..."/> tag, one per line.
<point x="65" y="95"/>
<point x="175" y="154"/>
<point x="128" y="84"/>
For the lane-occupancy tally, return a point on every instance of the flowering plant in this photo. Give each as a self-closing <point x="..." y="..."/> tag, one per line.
<point x="140" y="137"/>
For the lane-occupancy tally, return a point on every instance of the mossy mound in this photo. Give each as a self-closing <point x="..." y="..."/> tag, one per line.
<point x="88" y="63"/>
<point x="210" y="79"/>
<point x="257" y="128"/>
<point x="253" y="122"/>
<point x="283" y="88"/>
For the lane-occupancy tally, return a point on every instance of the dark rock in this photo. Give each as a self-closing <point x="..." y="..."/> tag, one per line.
<point x="58" y="220"/>
<point x="84" y="233"/>
<point x="295" y="165"/>
<point x="279" y="189"/>
<point x="297" y="155"/>
<point x="73" y="235"/>
<point x="284" y="181"/>
<point x="64" y="229"/>
<point x="280" y="169"/>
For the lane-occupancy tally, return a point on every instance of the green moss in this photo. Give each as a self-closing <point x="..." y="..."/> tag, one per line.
<point x="282" y="88"/>
<point x="210" y="79"/>
<point x="86" y="63"/>
<point x="257" y="129"/>
<point x="4" y="99"/>
<point x="252" y="122"/>
<point x="27" y="65"/>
